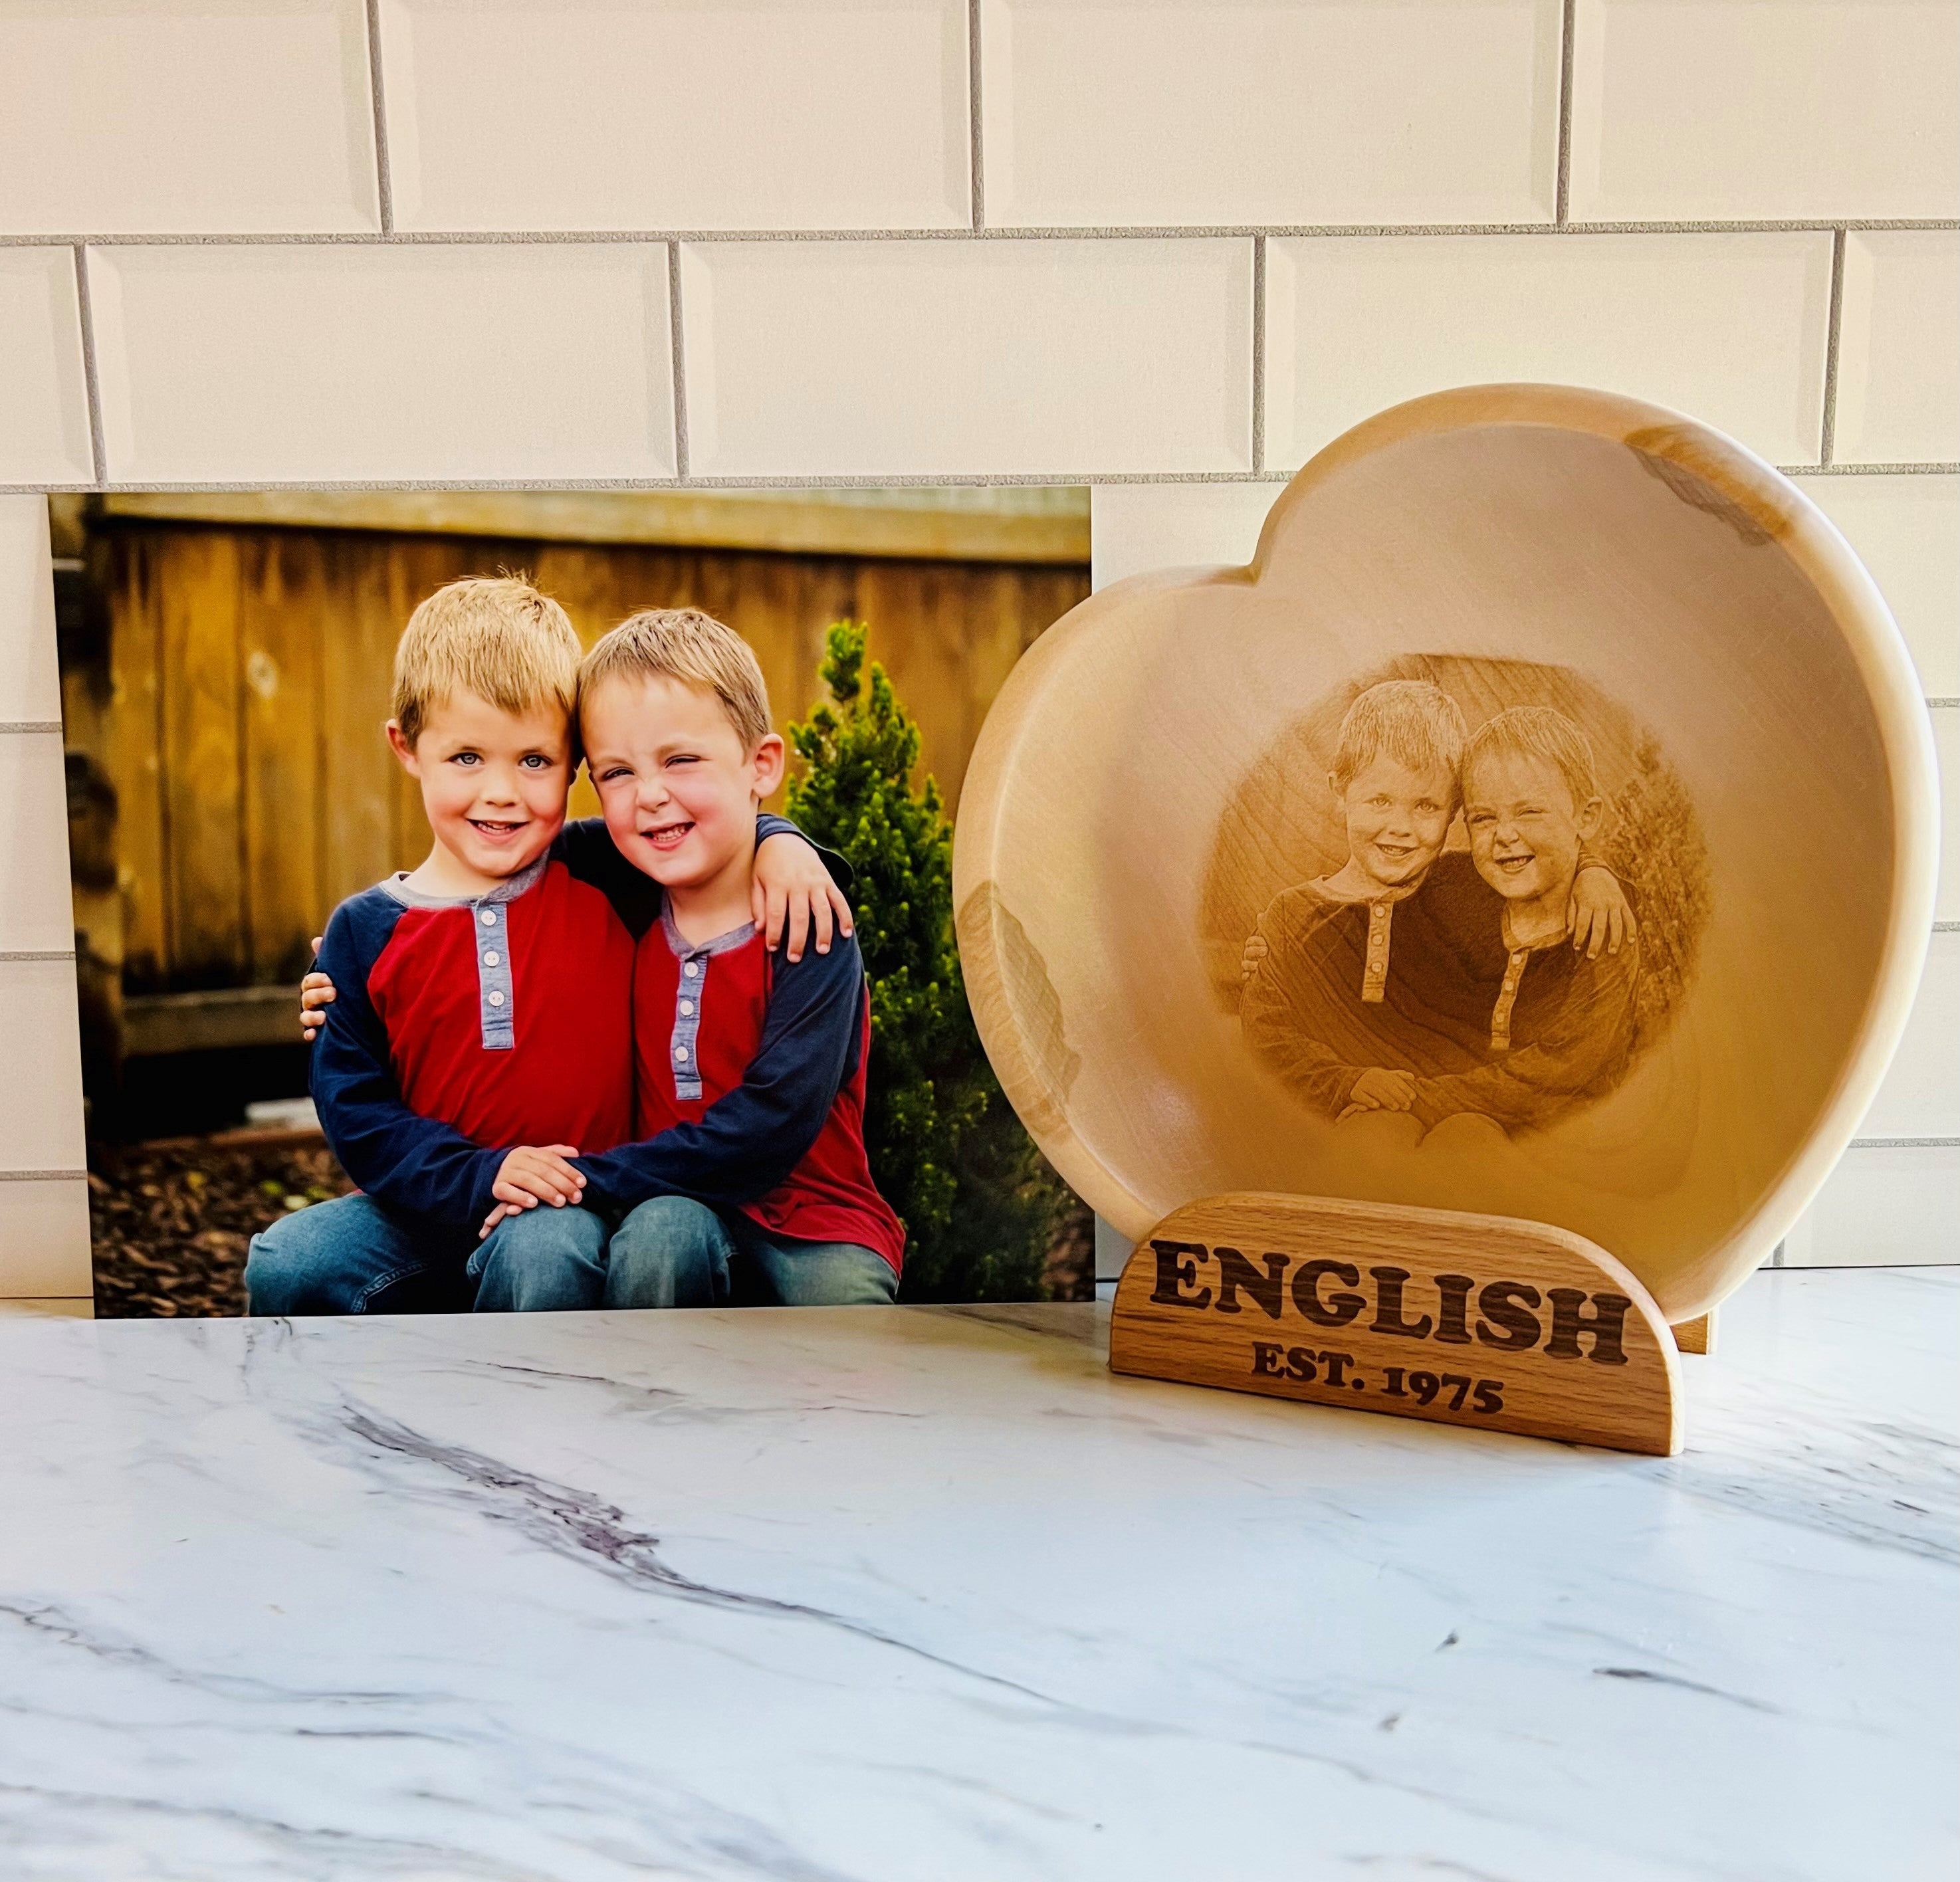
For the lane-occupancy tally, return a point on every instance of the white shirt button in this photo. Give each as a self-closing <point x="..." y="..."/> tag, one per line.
<point x="489" y="917"/>
<point x="491" y="958"/>
<point x="692" y="968"/>
<point x="496" y="998"/>
<point x="687" y="1009"/>
<point x="680" y="1051"/>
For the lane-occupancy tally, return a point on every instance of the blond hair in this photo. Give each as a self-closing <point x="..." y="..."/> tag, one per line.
<point x="1539" y="732"/>
<point x="1416" y="723"/>
<point x="492" y="635"/>
<point x="685" y="644"/>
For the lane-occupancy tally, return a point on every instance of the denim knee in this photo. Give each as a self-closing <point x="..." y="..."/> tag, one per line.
<point x="283" y="1276"/>
<point x="669" y="1251"/>
<point x="544" y="1260"/>
<point x="332" y="1258"/>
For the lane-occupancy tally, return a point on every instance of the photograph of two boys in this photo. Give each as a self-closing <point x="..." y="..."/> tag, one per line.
<point x="495" y="776"/>
<point x="614" y="1063"/>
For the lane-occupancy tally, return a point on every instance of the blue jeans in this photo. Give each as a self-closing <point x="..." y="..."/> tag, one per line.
<point x="672" y="1252"/>
<point x="354" y="1255"/>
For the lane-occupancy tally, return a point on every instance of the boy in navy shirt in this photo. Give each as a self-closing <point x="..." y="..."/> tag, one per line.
<point x="748" y="1180"/>
<point x="485" y="998"/>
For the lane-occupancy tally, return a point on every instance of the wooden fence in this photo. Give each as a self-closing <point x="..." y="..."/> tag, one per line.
<point x="233" y="701"/>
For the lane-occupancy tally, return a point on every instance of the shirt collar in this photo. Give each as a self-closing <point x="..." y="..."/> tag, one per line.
<point x="686" y="949"/>
<point x="507" y="890"/>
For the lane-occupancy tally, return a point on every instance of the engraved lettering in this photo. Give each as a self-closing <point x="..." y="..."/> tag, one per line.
<point x="1236" y="1274"/>
<point x="1337" y="1309"/>
<point x="1389" y="1306"/>
<point x="1606" y="1323"/>
<point x="1451" y="1319"/>
<point x="1177" y="1273"/>
<point x="1507" y="1303"/>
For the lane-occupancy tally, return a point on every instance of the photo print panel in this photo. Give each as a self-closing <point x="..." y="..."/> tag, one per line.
<point x="226" y="674"/>
<point x="1542" y="825"/>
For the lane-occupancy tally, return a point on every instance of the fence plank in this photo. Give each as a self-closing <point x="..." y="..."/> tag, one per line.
<point x="203" y="826"/>
<point x="134" y="743"/>
<point x="284" y="625"/>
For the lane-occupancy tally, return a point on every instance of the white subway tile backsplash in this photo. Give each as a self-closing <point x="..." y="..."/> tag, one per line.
<point x="1898" y="365"/>
<point x="1882" y="1206"/>
<point x="1920" y="1096"/>
<point x="44" y="1247"/>
<point x="30" y="665"/>
<point x="40" y="1115"/>
<point x="1037" y="357"/>
<point x="1906" y="530"/>
<point x="144" y="117"/>
<point x="677" y="114"/>
<point x="1136" y="527"/>
<point x="43" y="392"/>
<point x="319" y="363"/>
<point x="35" y="908"/>
<point x="1692" y="110"/>
<point x="1729" y="329"/>
<point x="1160" y="112"/>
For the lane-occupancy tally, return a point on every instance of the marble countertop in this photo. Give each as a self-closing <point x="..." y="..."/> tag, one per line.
<point x="927" y="1593"/>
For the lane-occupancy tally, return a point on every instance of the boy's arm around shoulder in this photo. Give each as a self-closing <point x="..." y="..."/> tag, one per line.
<point x="586" y="849"/>
<point x="752" y="1137"/>
<point x="409" y="1162"/>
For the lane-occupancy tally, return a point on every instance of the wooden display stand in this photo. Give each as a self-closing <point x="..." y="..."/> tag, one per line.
<point x="1481" y="1321"/>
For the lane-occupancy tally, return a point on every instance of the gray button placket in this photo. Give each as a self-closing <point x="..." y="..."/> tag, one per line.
<point x="496" y="992"/>
<point x="684" y="1048"/>
<point x="490" y="936"/>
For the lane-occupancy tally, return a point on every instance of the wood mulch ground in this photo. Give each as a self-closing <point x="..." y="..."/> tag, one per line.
<point x="171" y="1220"/>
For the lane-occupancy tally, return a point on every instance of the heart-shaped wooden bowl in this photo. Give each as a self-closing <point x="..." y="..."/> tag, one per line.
<point x="1165" y="944"/>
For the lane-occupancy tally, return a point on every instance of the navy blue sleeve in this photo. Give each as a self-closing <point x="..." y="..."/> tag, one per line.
<point x="409" y="1162"/>
<point x="750" y="1139"/>
<point x="587" y="851"/>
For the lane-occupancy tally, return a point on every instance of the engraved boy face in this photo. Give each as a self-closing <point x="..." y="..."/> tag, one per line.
<point x="1396" y="818"/>
<point x="1525" y="829"/>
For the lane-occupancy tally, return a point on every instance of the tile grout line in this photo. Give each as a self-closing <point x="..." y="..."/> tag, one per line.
<point x="27" y="727"/>
<point x="677" y="346"/>
<point x="1259" y="354"/>
<point x="45" y="1176"/>
<point x="804" y="480"/>
<point x="85" y="313"/>
<point x="384" y="180"/>
<point x="1108" y="232"/>
<point x="975" y="139"/>
<point x="1562" y="183"/>
<point x="36" y="954"/>
<point x="1827" y="440"/>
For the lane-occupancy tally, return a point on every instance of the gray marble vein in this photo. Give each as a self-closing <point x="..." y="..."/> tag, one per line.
<point x="843" y="1596"/>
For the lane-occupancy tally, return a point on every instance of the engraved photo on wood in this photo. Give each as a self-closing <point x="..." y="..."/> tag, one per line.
<point x="1501" y="888"/>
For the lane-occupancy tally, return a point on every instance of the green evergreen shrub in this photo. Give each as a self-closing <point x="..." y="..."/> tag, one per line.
<point x="979" y="1202"/>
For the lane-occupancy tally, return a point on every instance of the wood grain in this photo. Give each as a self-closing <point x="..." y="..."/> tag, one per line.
<point x="1155" y="776"/>
<point x="1499" y="1325"/>
<point x="1698" y="1335"/>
